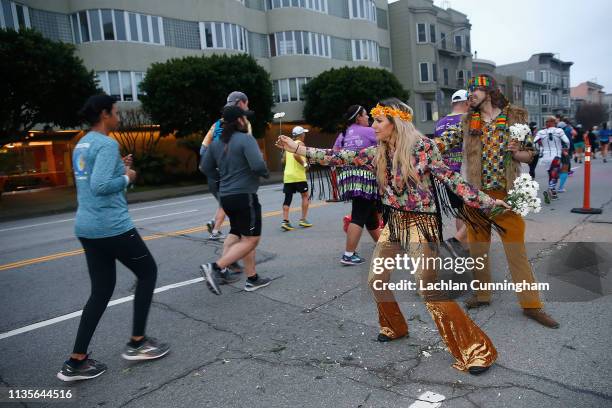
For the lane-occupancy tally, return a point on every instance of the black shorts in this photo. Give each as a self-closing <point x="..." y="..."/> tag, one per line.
<point x="364" y="212"/>
<point x="244" y="212"/>
<point x="292" y="188"/>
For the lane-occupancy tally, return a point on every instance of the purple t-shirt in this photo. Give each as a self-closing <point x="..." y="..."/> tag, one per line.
<point x="453" y="157"/>
<point x="357" y="137"/>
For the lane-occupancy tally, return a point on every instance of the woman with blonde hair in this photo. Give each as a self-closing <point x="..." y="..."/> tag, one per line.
<point x="411" y="175"/>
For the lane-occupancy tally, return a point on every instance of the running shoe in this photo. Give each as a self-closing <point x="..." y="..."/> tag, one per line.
<point x="208" y="272"/>
<point x="286" y="225"/>
<point x="304" y="223"/>
<point x="546" y="197"/>
<point x="236" y="268"/>
<point x="553" y="195"/>
<point x="150" y="349"/>
<point x="261" y="282"/>
<point x="561" y="190"/>
<point x="216" y="236"/>
<point x="86" y="370"/>
<point x="227" y="276"/>
<point x="352" y="260"/>
<point x="210" y="225"/>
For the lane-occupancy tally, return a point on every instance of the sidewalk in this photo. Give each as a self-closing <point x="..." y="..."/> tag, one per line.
<point x="27" y="204"/>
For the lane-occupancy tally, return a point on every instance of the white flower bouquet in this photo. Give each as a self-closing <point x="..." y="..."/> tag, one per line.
<point x="523" y="198"/>
<point x="518" y="132"/>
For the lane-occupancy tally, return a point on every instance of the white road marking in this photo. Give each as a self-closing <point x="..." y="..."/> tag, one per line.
<point x="36" y="225"/>
<point x="72" y="315"/>
<point x="428" y="399"/>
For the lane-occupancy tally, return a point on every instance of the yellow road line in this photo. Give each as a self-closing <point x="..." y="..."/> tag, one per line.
<point x="192" y="230"/>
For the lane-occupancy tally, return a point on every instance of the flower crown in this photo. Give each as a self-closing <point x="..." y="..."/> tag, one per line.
<point x="379" y="110"/>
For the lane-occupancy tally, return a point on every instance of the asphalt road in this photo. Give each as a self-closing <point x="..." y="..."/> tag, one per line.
<point x="309" y="338"/>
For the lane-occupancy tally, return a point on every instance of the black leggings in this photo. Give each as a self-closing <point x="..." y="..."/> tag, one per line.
<point x="101" y="254"/>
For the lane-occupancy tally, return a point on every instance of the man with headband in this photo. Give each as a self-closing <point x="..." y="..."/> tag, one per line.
<point x="484" y="133"/>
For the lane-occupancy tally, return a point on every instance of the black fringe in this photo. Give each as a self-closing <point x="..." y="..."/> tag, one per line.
<point x="320" y="181"/>
<point x="400" y="222"/>
<point x="453" y="206"/>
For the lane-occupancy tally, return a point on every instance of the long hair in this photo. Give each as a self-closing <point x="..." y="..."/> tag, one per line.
<point x="498" y="99"/>
<point x="350" y="117"/>
<point x="229" y="128"/>
<point x="405" y="136"/>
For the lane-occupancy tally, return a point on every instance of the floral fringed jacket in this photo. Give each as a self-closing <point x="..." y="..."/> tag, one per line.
<point x="409" y="205"/>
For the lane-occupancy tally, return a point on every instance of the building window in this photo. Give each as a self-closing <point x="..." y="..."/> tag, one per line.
<point x="382" y="19"/>
<point x="362" y="9"/>
<point x="83" y="26"/>
<point x="426" y="111"/>
<point x="432" y="33"/>
<point x="365" y="50"/>
<point x="181" y="34"/>
<point x="434" y="72"/>
<point x="300" y="43"/>
<point x="223" y="36"/>
<point x="467" y="43"/>
<point x="445" y="74"/>
<point x="565" y="82"/>
<point x="424" y="72"/>
<point x="257" y="45"/>
<point x="123" y="85"/>
<point x="384" y="56"/>
<point x="289" y="89"/>
<point x="544" y="77"/>
<point x="117" y="25"/>
<point x="96" y="28"/>
<point x="315" y="5"/>
<point x="14" y="15"/>
<point x="530" y="75"/>
<point x="458" y="43"/>
<point x="460" y="79"/>
<point x="421" y="33"/>
<point x="443" y="40"/>
<point x="516" y="92"/>
<point x="107" y="25"/>
<point x="544" y="99"/>
<point x="55" y="26"/>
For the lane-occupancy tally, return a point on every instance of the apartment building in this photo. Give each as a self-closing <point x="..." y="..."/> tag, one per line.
<point x="552" y="73"/>
<point x="431" y="53"/>
<point x="294" y="40"/>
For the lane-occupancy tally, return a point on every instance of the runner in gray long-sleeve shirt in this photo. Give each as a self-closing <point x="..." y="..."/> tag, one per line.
<point x="236" y="161"/>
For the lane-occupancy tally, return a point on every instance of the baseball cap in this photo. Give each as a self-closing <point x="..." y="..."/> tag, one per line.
<point x="298" y="130"/>
<point x="235" y="97"/>
<point x="231" y="113"/>
<point x="459" y="96"/>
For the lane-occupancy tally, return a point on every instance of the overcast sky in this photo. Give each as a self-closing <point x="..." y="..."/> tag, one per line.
<point x="507" y="31"/>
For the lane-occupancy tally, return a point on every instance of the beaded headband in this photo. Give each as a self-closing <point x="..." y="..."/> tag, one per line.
<point x="379" y="110"/>
<point x="480" y="81"/>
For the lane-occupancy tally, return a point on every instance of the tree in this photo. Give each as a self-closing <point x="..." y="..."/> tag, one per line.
<point x="591" y="114"/>
<point x="329" y="94"/>
<point x="43" y="82"/>
<point x="185" y="96"/>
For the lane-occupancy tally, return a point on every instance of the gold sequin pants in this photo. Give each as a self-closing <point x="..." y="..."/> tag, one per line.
<point x="467" y="343"/>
